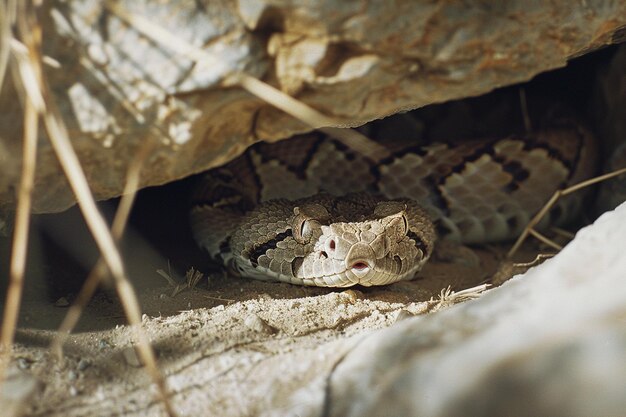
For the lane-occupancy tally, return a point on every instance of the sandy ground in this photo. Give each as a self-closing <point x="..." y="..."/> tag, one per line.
<point x="221" y="318"/>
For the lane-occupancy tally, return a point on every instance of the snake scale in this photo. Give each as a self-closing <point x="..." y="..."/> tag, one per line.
<point x="312" y="211"/>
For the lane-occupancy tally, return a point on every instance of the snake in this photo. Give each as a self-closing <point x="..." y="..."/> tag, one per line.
<point x="312" y="211"/>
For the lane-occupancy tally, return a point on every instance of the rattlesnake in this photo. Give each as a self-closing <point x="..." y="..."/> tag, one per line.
<point x="312" y="211"/>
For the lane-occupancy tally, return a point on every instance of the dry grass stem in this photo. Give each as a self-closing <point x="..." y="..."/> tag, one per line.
<point x="466" y="294"/>
<point x="70" y="164"/>
<point x="104" y="240"/>
<point x="538" y="259"/>
<point x="593" y="181"/>
<point x="7" y="12"/>
<point x="555" y="197"/>
<point x="447" y="297"/>
<point x="28" y="78"/>
<point x="264" y="91"/>
<point x="20" y="236"/>
<point x="192" y="277"/>
<point x="168" y="277"/>
<point x="507" y="269"/>
<point x="26" y="60"/>
<point x="562" y="232"/>
<point x="544" y="239"/>
<point x="100" y="271"/>
<point x="350" y="137"/>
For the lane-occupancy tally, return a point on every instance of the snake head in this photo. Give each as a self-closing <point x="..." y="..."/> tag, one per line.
<point x="334" y="243"/>
<point x="385" y="246"/>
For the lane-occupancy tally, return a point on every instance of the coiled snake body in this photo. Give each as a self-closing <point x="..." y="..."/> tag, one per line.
<point x="311" y="211"/>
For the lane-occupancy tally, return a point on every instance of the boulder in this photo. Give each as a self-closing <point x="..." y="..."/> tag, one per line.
<point x="119" y="91"/>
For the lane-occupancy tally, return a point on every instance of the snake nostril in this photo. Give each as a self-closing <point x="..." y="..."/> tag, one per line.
<point x="323" y="255"/>
<point x="359" y="266"/>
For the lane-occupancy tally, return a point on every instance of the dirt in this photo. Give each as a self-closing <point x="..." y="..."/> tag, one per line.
<point x="214" y="333"/>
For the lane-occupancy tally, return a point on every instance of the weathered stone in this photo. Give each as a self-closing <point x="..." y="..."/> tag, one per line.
<point x="551" y="342"/>
<point x="119" y="91"/>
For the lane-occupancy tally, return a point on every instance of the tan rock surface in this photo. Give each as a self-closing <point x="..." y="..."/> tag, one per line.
<point x="118" y="90"/>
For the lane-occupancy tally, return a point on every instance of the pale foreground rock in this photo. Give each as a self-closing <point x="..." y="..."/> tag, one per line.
<point x="119" y="91"/>
<point x="551" y="342"/>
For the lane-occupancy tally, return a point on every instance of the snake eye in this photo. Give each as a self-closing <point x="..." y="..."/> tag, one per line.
<point x="308" y="226"/>
<point x="305" y="223"/>
<point x="393" y="215"/>
<point x="405" y="222"/>
<point x="303" y="229"/>
<point x="398" y="226"/>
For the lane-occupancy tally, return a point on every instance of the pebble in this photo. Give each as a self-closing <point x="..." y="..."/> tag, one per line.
<point x="256" y="323"/>
<point x="402" y="315"/>
<point x="23" y="363"/>
<point x="83" y="364"/>
<point x="351" y="295"/>
<point x="103" y="344"/>
<point x="61" y="302"/>
<point x="265" y="297"/>
<point x="131" y="357"/>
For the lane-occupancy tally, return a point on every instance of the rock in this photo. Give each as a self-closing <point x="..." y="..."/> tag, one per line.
<point x="257" y="324"/>
<point x="62" y="302"/>
<point x="131" y="357"/>
<point x="119" y="92"/>
<point x="83" y="364"/>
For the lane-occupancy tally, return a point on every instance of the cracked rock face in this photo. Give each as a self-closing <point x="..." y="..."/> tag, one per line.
<point x="119" y="91"/>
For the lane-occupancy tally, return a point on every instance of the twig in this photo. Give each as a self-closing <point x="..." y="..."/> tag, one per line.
<point x="25" y="63"/>
<point x="529" y="229"/>
<point x="562" y="232"/>
<point x="168" y="277"/>
<point x="100" y="271"/>
<point x="192" y="277"/>
<point x="317" y="120"/>
<point x="545" y="239"/>
<point x="264" y="91"/>
<point x="449" y="296"/>
<point x="7" y="14"/>
<point x="538" y="259"/>
<point x="20" y="234"/>
<point x="104" y="240"/>
<point x="57" y="133"/>
<point x="228" y="300"/>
